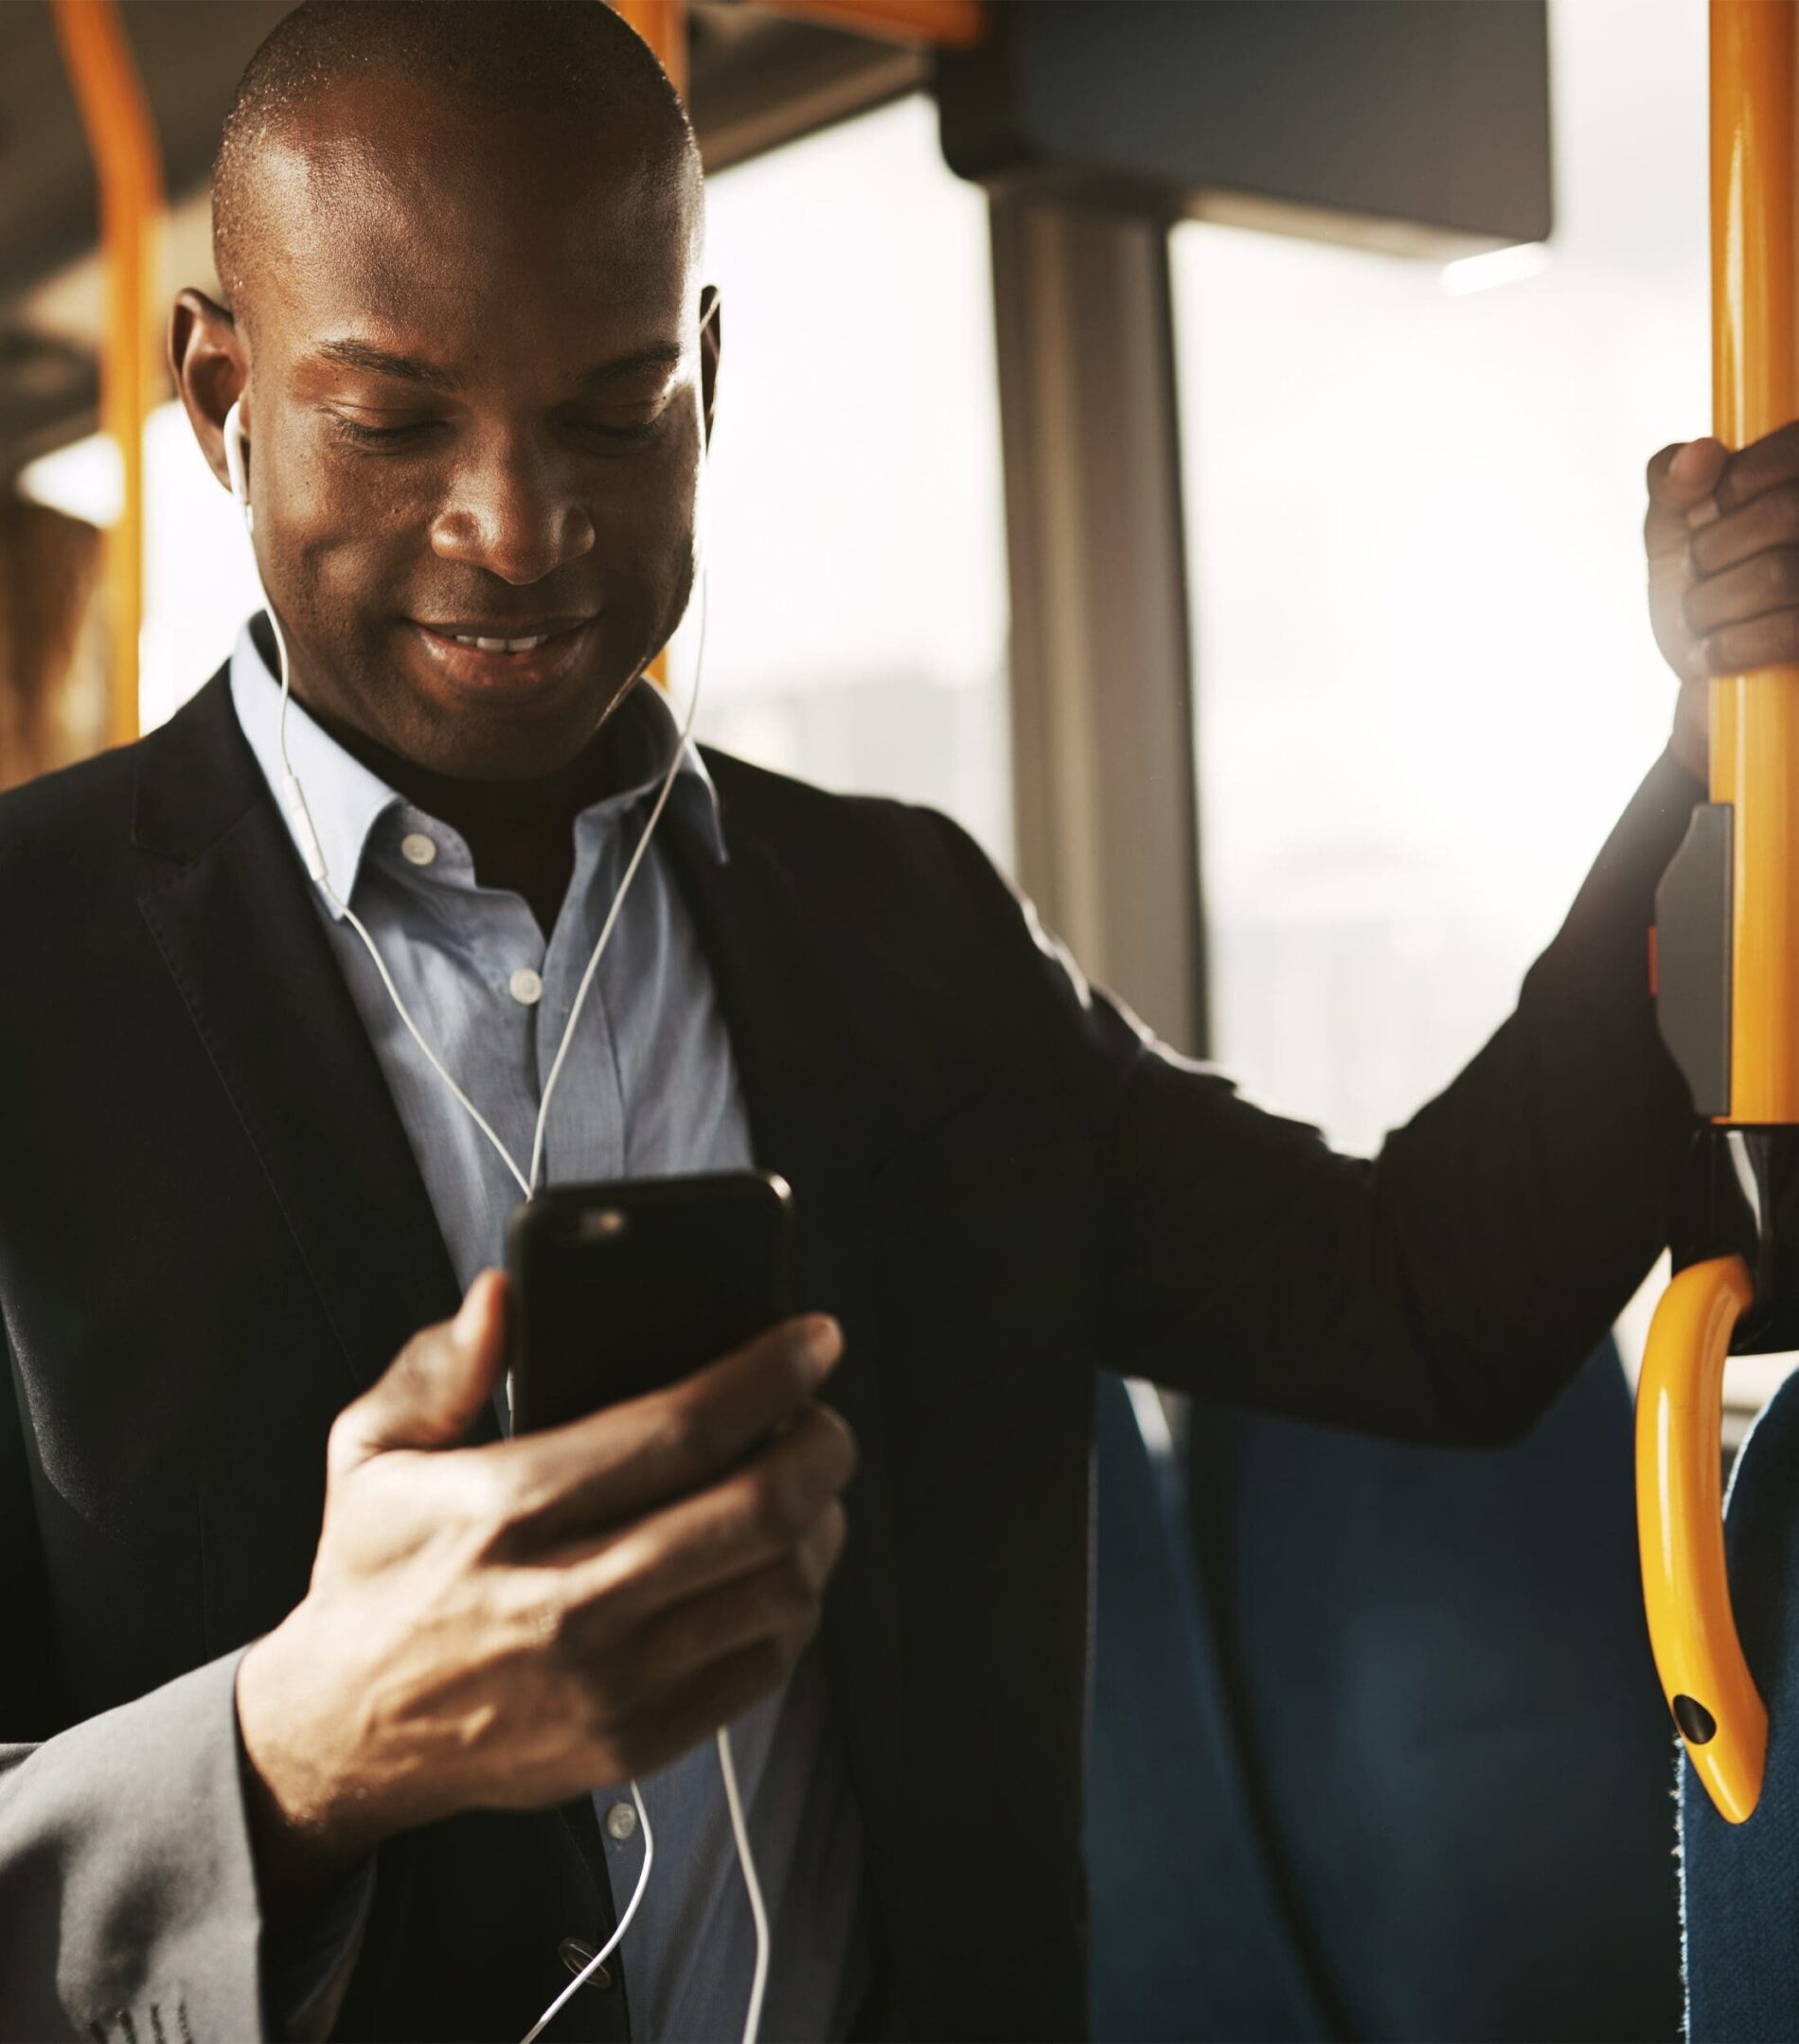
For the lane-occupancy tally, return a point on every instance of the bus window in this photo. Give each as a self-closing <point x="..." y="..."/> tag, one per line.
<point x="1425" y="680"/>
<point x="858" y="601"/>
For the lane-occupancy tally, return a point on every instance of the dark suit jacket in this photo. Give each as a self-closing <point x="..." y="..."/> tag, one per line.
<point x="213" y="1234"/>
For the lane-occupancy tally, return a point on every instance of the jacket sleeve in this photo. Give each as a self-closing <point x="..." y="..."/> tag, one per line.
<point x="127" y="1894"/>
<point x="1448" y="1288"/>
<point x="128" y="1902"/>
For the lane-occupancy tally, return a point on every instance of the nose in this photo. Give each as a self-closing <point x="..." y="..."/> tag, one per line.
<point x="512" y="511"/>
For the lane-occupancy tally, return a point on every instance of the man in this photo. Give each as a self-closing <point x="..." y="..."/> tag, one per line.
<point x="310" y="1673"/>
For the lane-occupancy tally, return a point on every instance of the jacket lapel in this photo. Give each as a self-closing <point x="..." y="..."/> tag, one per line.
<point x="232" y="916"/>
<point x="808" y="1108"/>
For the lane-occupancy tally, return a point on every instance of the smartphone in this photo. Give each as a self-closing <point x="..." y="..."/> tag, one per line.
<point x="619" y="1290"/>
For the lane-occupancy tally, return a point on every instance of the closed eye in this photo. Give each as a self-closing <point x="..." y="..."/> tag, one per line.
<point x="391" y="436"/>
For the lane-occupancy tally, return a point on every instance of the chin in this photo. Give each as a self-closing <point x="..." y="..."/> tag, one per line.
<point x="496" y="743"/>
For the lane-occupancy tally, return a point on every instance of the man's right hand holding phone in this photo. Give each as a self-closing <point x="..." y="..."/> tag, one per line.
<point x="512" y="1625"/>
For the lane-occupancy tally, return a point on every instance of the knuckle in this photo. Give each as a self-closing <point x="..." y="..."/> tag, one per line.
<point x="793" y="1596"/>
<point x="413" y="1359"/>
<point x="798" y="1633"/>
<point x="538" y="1618"/>
<point x="687" y="1436"/>
<point x="487" y="1498"/>
<point x="835" y="1535"/>
<point x="774" y="1504"/>
<point x="843" y="1453"/>
<point x="342" y="1442"/>
<point x="1722" y="653"/>
<point x="607" y="1696"/>
<point x="1659" y="464"/>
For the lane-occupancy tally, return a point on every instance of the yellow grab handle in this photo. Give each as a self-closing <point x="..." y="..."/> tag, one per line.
<point x="1680" y="1404"/>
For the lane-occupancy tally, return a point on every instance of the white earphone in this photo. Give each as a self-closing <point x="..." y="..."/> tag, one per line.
<point x="313" y="856"/>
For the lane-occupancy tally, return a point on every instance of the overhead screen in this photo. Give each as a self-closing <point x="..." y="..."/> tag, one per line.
<point x="1415" y="124"/>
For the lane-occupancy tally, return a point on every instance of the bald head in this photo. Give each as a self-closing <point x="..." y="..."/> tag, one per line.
<point x="571" y="71"/>
<point x="475" y="367"/>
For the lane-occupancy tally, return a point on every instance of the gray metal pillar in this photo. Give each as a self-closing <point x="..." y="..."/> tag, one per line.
<point x="1107" y="826"/>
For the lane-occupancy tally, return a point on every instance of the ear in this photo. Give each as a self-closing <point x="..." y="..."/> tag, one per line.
<point x="208" y="363"/>
<point x="711" y="340"/>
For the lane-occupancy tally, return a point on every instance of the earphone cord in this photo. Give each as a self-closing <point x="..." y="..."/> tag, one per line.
<point x="296" y="802"/>
<point x="315" y="857"/>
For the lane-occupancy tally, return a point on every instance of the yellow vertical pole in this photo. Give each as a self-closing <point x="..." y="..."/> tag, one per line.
<point x="662" y="24"/>
<point x="1755" y="384"/>
<point x="121" y="139"/>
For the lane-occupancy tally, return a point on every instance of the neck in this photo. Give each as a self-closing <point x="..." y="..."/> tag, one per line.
<point x="520" y="833"/>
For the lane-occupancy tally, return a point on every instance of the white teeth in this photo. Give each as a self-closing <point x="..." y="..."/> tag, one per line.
<point x="502" y="646"/>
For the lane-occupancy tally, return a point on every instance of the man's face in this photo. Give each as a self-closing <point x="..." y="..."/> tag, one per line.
<point x="475" y="404"/>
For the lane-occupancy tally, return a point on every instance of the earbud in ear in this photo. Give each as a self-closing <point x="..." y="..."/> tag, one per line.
<point x="234" y="463"/>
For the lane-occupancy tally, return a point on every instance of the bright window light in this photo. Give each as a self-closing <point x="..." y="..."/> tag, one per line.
<point x="1497" y="266"/>
<point x="86" y="480"/>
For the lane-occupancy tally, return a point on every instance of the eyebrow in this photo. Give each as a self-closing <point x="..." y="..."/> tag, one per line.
<point x="409" y="368"/>
<point x="354" y="354"/>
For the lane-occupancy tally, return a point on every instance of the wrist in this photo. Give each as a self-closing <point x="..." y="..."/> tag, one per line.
<point x="309" y="1826"/>
<point x="1690" y="744"/>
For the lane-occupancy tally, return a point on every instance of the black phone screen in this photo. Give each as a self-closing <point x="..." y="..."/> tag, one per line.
<point x="618" y="1289"/>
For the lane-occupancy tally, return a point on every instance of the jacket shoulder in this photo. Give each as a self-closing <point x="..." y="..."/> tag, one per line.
<point x="70" y="838"/>
<point x="867" y="846"/>
<point x="74" y="810"/>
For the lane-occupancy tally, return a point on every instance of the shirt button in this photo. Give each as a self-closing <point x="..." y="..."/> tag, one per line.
<point x="417" y="849"/>
<point x="578" y="1955"/>
<point x="621" y="1821"/>
<point x="528" y="989"/>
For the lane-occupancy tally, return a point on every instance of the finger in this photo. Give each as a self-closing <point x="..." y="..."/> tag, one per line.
<point x="779" y="1600"/>
<point x="663" y="1731"/>
<point x="1771" y="641"/>
<point x="1684" y="472"/>
<point x="430" y="1393"/>
<point x="1771" y="460"/>
<point x="1753" y="588"/>
<point x="1765" y="523"/>
<point x="614" y="1464"/>
<point x="754" y="1516"/>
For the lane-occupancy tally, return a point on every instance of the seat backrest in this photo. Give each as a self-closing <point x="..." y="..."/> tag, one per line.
<point x="1189" y="1940"/>
<point x="1415" y="1715"/>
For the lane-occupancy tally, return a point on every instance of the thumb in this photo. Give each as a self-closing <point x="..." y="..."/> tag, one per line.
<point x="430" y="1393"/>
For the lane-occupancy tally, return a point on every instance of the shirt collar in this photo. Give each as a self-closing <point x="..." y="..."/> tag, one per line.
<point x="347" y="799"/>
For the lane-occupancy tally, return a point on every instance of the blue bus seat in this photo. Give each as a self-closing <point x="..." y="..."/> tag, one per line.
<point x="1390" y="1761"/>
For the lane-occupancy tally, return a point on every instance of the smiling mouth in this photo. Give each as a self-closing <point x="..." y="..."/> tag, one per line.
<point x="501" y="646"/>
<point x="493" y="639"/>
<point x="472" y="653"/>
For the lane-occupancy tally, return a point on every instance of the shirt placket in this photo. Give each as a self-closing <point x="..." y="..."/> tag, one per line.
<point x="492" y="1051"/>
<point x="584" y="1133"/>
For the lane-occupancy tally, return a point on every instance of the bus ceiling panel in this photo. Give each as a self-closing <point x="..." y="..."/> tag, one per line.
<point x="1418" y="128"/>
<point x="189" y="53"/>
<point x="756" y="80"/>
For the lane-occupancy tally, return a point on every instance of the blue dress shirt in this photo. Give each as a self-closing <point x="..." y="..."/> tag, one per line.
<point x="650" y="1088"/>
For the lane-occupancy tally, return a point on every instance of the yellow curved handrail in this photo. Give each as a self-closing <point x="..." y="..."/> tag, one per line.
<point x="1716" y="1704"/>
